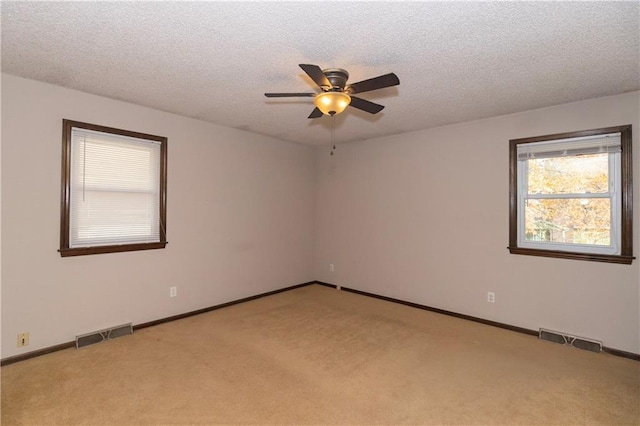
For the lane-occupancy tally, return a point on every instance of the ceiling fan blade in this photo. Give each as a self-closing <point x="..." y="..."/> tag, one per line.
<point x="288" y="95"/>
<point x="365" y="105"/>
<point x="316" y="113"/>
<point x="316" y="75"/>
<point x="375" y="83"/>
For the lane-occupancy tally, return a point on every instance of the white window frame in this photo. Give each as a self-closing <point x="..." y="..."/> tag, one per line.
<point x="613" y="194"/>
<point x="74" y="187"/>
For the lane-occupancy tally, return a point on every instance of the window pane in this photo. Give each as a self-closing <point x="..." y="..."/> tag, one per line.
<point x="569" y="175"/>
<point x="570" y="221"/>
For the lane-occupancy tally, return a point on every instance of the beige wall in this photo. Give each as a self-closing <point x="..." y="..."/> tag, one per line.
<point x="240" y="220"/>
<point x="423" y="217"/>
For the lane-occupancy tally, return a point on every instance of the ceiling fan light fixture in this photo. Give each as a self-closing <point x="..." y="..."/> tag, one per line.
<point x="331" y="103"/>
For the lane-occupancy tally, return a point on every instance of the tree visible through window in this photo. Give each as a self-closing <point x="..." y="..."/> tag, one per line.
<point x="571" y="195"/>
<point x="585" y="217"/>
<point x="113" y="190"/>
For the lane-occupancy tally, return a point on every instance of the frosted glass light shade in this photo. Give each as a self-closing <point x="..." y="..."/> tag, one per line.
<point x="331" y="103"/>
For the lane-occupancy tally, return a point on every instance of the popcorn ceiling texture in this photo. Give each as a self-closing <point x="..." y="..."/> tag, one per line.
<point x="214" y="60"/>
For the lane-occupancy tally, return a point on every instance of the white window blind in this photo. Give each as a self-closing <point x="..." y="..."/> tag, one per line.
<point x="115" y="189"/>
<point x="570" y="147"/>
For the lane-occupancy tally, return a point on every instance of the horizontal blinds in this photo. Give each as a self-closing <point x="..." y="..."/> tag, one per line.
<point x="569" y="147"/>
<point x="115" y="189"/>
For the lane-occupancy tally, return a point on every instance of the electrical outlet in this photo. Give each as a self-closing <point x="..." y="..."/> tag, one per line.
<point x="173" y="291"/>
<point x="331" y="267"/>
<point x="491" y="297"/>
<point x="23" y="339"/>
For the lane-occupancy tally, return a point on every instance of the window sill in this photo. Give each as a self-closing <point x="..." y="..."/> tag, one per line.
<point x="608" y="258"/>
<point x="81" y="251"/>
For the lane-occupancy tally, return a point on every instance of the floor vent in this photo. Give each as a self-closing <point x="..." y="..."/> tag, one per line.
<point x="103" y="335"/>
<point x="567" y="339"/>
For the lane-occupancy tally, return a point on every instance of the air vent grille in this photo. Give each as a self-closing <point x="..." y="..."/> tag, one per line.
<point x="103" y="335"/>
<point x="567" y="339"/>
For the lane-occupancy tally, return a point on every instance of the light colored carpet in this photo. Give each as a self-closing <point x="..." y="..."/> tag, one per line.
<point x="315" y="355"/>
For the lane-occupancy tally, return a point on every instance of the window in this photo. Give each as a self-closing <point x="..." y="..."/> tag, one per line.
<point x="113" y="190"/>
<point x="571" y="195"/>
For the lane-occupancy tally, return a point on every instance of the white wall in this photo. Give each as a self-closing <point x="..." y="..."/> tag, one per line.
<point x="240" y="220"/>
<point x="424" y="217"/>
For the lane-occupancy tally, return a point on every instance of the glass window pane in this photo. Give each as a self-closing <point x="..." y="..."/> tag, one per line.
<point x="569" y="221"/>
<point x="569" y="175"/>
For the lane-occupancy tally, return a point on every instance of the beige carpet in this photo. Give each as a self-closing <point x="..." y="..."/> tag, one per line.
<point x="315" y="355"/>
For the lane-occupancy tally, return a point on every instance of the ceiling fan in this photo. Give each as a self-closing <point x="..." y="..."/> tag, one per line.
<point x="336" y="95"/>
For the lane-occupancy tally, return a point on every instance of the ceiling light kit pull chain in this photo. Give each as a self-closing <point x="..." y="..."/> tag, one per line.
<point x="333" y="133"/>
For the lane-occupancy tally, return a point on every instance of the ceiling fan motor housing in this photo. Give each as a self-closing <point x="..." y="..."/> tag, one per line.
<point x="337" y="77"/>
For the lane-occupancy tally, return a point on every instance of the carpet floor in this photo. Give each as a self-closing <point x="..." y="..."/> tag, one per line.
<point x="315" y="355"/>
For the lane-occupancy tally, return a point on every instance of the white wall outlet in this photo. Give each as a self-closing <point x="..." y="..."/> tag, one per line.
<point x="491" y="297"/>
<point x="23" y="339"/>
<point x="173" y="291"/>
<point x="331" y="267"/>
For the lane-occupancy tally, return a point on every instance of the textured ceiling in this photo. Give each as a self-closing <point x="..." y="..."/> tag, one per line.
<point x="456" y="61"/>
